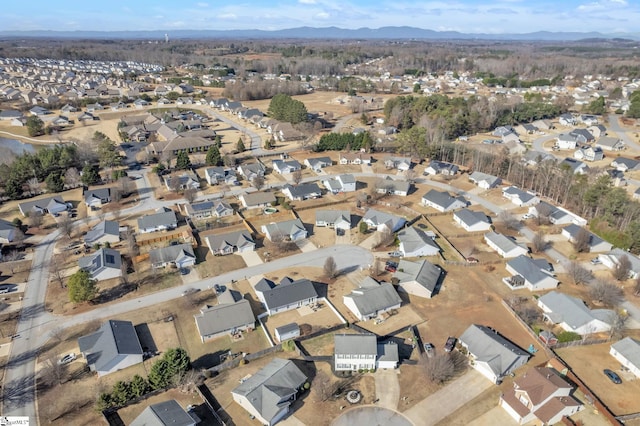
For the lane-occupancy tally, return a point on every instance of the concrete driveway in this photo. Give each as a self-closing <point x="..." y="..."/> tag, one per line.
<point x="251" y="258"/>
<point x="387" y="388"/>
<point x="306" y="245"/>
<point x="439" y="405"/>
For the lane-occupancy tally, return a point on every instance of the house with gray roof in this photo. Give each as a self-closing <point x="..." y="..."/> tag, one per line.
<point x="556" y="215"/>
<point x="52" y="205"/>
<point x="492" y="354"/>
<point x="372" y="299"/>
<point x="95" y="198"/>
<point x="162" y="220"/>
<point x="417" y="278"/>
<point x="625" y="164"/>
<point x="504" y="246"/>
<point x="7" y="231"/>
<point x="341" y="183"/>
<point x="379" y="220"/>
<point x="533" y="158"/>
<point x="393" y="187"/>
<point x="204" y="209"/>
<point x="596" y="244"/>
<point x="113" y="347"/>
<point x="484" y="180"/>
<point x="441" y="168"/>
<point x="292" y="230"/>
<point x="627" y="352"/>
<point x="303" y="191"/>
<point x="532" y="274"/>
<point x="186" y="179"/>
<point x="287" y="295"/>
<point x="572" y="314"/>
<point x="165" y="413"/>
<point x="225" y="318"/>
<point x="218" y="175"/>
<point x="318" y="163"/>
<point x="353" y="352"/>
<point x="472" y="221"/>
<point x="287" y="331"/>
<point x="399" y="163"/>
<point x="179" y="255"/>
<point x="251" y="170"/>
<point x="415" y="242"/>
<point x="575" y="166"/>
<point x="588" y="153"/>
<point x="270" y="392"/>
<point x="442" y="201"/>
<point x="285" y="166"/>
<point x="338" y="219"/>
<point x="104" y="264"/>
<point x="608" y="143"/>
<point x="612" y="259"/>
<point x="257" y="200"/>
<point x="519" y="197"/>
<point x="230" y="242"/>
<point x="106" y="231"/>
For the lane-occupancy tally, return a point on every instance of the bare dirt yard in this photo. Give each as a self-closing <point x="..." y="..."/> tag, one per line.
<point x="310" y="321"/>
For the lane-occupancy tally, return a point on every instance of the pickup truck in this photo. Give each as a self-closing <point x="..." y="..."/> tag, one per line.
<point x="450" y="344"/>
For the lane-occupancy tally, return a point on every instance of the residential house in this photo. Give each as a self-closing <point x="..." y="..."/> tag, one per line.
<point x="556" y="215"/>
<point x="519" y="197"/>
<point x="484" y="180"/>
<point x="341" y="183"/>
<point x="597" y="130"/>
<point x="218" y="175"/>
<point x="504" y="246"/>
<point x="354" y="352"/>
<point x="441" y="168"/>
<point x="492" y="355"/>
<point x="588" y="153"/>
<point x="540" y="395"/>
<point x="179" y="256"/>
<point x="186" y="179"/>
<point x="543" y="124"/>
<point x="106" y="231"/>
<point x="415" y="242"/>
<point x="636" y="194"/>
<point x="627" y="352"/>
<point x="287" y="295"/>
<point x="577" y="167"/>
<point x="625" y="164"/>
<point x="303" y="191"/>
<point x="420" y="278"/>
<point x="472" y="221"/>
<point x="52" y="205"/>
<point x="612" y="259"/>
<point x="232" y="314"/>
<point x="596" y="244"/>
<point x="532" y="274"/>
<point x="567" y="119"/>
<point x="573" y="315"/>
<point x="95" y="198"/>
<point x="588" y="119"/>
<point x="567" y="141"/>
<point x="318" y="163"/>
<point x="502" y="131"/>
<point x="285" y="167"/>
<point x="256" y="200"/>
<point x="230" y="242"/>
<point x="251" y="170"/>
<point x="205" y="209"/>
<point x="189" y="143"/>
<point x="87" y="116"/>
<point x="379" y="220"/>
<point x="338" y="219"/>
<point x="165" y="413"/>
<point x="608" y="143"/>
<point x="7" y="232"/>
<point x="528" y="128"/>
<point x="582" y="135"/>
<point x="512" y="142"/>
<point x="270" y="392"/>
<point x="356" y="158"/>
<point x="285" y="132"/>
<point x="164" y="219"/>
<point x="10" y="114"/>
<point x="104" y="264"/>
<point x="393" y="187"/>
<point x="442" y="201"/>
<point x="291" y="230"/>
<point x="400" y="163"/>
<point x="533" y="158"/>
<point x="372" y="299"/>
<point x="617" y="177"/>
<point x="113" y="347"/>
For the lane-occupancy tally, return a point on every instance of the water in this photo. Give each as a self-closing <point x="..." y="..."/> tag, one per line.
<point x="15" y="147"/>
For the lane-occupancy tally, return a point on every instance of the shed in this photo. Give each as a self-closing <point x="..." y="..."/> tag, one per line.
<point x="288" y="331"/>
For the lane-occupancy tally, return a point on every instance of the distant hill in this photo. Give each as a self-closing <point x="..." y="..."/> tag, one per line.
<point x="388" y="33"/>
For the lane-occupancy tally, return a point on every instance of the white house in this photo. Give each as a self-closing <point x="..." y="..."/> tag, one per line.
<point x="113" y="347"/>
<point x="227" y="243"/>
<point x="596" y="244"/>
<point x="415" y="242"/>
<point x="627" y="352"/>
<point x="231" y="315"/>
<point x="588" y="153"/>
<point x="556" y="215"/>
<point x="532" y="274"/>
<point x="341" y="183"/>
<point x="419" y="278"/>
<point x="441" y="168"/>
<point x="571" y="314"/>
<point x="379" y="220"/>
<point x="442" y="201"/>
<point x="355" y="352"/>
<point x="372" y="299"/>
<point x="484" y="180"/>
<point x="287" y="295"/>
<point x="303" y="191"/>
<point x="285" y="167"/>
<point x="338" y="219"/>
<point x="519" y="197"/>
<point x="318" y="163"/>
<point x="612" y="259"/>
<point x="566" y="141"/>
<point x="393" y="187"/>
<point x="292" y="230"/>
<point x="608" y="143"/>
<point x="472" y="221"/>
<point x="504" y="246"/>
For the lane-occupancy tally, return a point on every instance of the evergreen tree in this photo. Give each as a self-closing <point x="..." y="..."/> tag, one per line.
<point x="54" y="182"/>
<point x="81" y="287"/>
<point x="35" y="126"/>
<point x="213" y="157"/>
<point x="90" y="175"/>
<point x="240" y="146"/>
<point x="284" y="108"/>
<point x="182" y="161"/>
<point x="139" y="386"/>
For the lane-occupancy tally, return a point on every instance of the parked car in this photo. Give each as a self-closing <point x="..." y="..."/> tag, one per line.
<point x="391" y="266"/>
<point x="395" y="254"/>
<point x="450" y="344"/>
<point x="612" y="376"/>
<point x="429" y="349"/>
<point x="5" y="289"/>
<point x="596" y="261"/>
<point x="190" y="291"/>
<point x="527" y="216"/>
<point x="472" y="260"/>
<point x="184" y="271"/>
<point x="67" y="359"/>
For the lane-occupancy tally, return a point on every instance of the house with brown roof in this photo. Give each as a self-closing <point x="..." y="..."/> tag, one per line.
<point x="540" y="395"/>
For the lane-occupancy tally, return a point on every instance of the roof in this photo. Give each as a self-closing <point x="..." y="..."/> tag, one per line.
<point x="355" y="344"/>
<point x="235" y="239"/>
<point x="287" y="328"/>
<point x="302" y="190"/>
<point x="388" y="352"/>
<point x="478" y="177"/>
<point x="573" y="230"/>
<point x="208" y="206"/>
<point x="608" y="141"/>
<point x="571" y="310"/>
<point x="442" y="199"/>
<point x="288" y="292"/>
<point x="376" y="217"/>
<point x="333" y="216"/>
<point x="413" y="238"/>
<point x="486" y="345"/>
<point x="165" y="413"/>
<point x="441" y="165"/>
<point x="630" y="349"/>
<point x="629" y="162"/>
<point x="165" y="217"/>
<point x="106" y="227"/>
<point x="114" y="338"/>
<point x="282" y="164"/>
<point x="258" y="198"/>
<point x="423" y="272"/>
<point x="318" y="161"/>
<point x="284" y="228"/>
<point x="522" y="195"/>
<point x="42" y="203"/>
<point x="7" y="230"/>
<point x="504" y="243"/>
<point x="540" y="383"/>
<point x="171" y="253"/>
<point x="528" y="269"/>
<point x="373" y="296"/>
<point x="617" y="253"/>
<point x="470" y="218"/>
<point x="269" y="386"/>
<point x="100" y="260"/>
<point x="223" y="317"/>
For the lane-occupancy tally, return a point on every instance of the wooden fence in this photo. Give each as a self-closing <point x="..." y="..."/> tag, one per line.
<point x="581" y="342"/>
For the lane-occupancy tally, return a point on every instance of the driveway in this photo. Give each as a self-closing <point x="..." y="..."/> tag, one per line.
<point x="387" y="388"/>
<point x="191" y="277"/>
<point x="306" y="246"/>
<point x="251" y="258"/>
<point x="439" y="405"/>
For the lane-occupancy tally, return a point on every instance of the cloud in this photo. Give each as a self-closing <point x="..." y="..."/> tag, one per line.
<point x="202" y="4"/>
<point x="307" y="1"/>
<point x="322" y="15"/>
<point x="229" y="16"/>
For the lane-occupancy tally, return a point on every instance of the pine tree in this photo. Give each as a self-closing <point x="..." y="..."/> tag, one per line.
<point x="182" y="161"/>
<point x="240" y="146"/>
<point x="213" y="157"/>
<point x="81" y="287"/>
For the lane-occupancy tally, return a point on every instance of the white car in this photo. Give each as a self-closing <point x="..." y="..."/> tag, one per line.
<point x="527" y="216"/>
<point x="67" y="359"/>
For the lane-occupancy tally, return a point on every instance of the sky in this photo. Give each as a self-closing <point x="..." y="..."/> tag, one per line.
<point x="468" y="16"/>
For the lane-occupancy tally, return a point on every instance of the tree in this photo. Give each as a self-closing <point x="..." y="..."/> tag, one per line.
<point x="385" y="237"/>
<point x="618" y="321"/>
<point x="363" y="227"/>
<point x="296" y="176"/>
<point x="597" y="106"/>
<point x="509" y="220"/>
<point x="121" y="393"/>
<point x="35" y="126"/>
<point x="284" y="108"/>
<point x="213" y="157"/>
<point x="53" y="373"/>
<point x="57" y="270"/>
<point x="538" y="243"/>
<point x="90" y="175"/>
<point x="257" y="182"/>
<point x="182" y="161"/>
<point x="578" y="273"/>
<point x="107" y="152"/>
<point x="132" y="245"/>
<point x="81" y="287"/>
<point x="54" y="182"/>
<point x="240" y="145"/>
<point x="139" y="386"/>
<point x="169" y="369"/>
<point x="65" y="225"/>
<point x="439" y="368"/>
<point x="34" y="186"/>
<point x="581" y="241"/>
<point x="417" y="88"/>
<point x="72" y="178"/>
<point x="636" y="287"/>
<point x="622" y="268"/>
<point x="606" y="293"/>
<point x="330" y="268"/>
<point x="35" y="218"/>
<point x="190" y="195"/>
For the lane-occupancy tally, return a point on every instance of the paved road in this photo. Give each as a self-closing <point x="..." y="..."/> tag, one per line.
<point x="614" y="125"/>
<point x="256" y="140"/>
<point x="538" y="144"/>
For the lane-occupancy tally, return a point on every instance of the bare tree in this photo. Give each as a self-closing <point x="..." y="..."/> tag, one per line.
<point x="410" y="175"/>
<point x="132" y="245"/>
<point x="167" y="156"/>
<point x="622" y="269"/>
<point x="65" y="225"/>
<point x="296" y="176"/>
<point x="606" y="293"/>
<point x="125" y="186"/>
<point x="72" y="178"/>
<point x="174" y="183"/>
<point x="544" y="212"/>
<point x="376" y="268"/>
<point x="190" y="195"/>
<point x="57" y="334"/>
<point x="35" y="218"/>
<point x="385" y="238"/>
<point x="439" y="368"/>
<point x="529" y="314"/>
<point x="618" y="321"/>
<point x="321" y="386"/>
<point x="282" y="243"/>
<point x="509" y="220"/>
<point x="578" y="273"/>
<point x="11" y="256"/>
<point x="636" y="287"/>
<point x="53" y="373"/>
<point x="581" y="241"/>
<point x="257" y="182"/>
<point x="34" y="186"/>
<point x="538" y="243"/>
<point x="57" y="269"/>
<point x="330" y="267"/>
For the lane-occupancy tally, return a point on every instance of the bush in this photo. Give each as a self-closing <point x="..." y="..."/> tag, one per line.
<point x="568" y="336"/>
<point x="243" y="361"/>
<point x="289" y="345"/>
<point x="306" y="386"/>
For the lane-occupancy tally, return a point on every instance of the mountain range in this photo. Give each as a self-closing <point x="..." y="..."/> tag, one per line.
<point x="387" y="33"/>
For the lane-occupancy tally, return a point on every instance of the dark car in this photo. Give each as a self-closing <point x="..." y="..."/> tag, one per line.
<point x="612" y="376"/>
<point x="450" y="344"/>
<point x="429" y="349"/>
